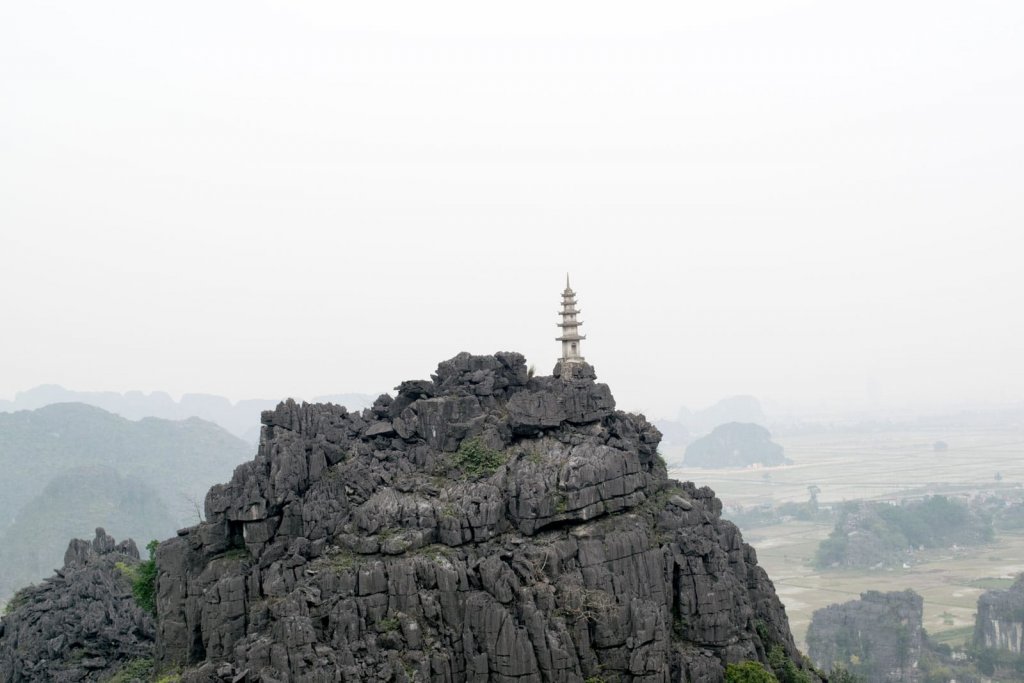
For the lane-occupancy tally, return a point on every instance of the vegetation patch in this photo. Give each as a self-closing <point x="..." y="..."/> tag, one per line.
<point x="998" y="662"/>
<point x="475" y="458"/>
<point x="136" y="669"/>
<point x="437" y="552"/>
<point x="143" y="577"/>
<point x="990" y="583"/>
<point x="388" y="624"/>
<point x="749" y="672"/>
<point x="561" y="503"/>
<point x="868" y="533"/>
<point x="784" y="668"/>
<point x="17" y="600"/>
<point x="339" y="561"/>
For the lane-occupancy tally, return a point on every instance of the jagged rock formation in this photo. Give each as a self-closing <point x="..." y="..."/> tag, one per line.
<point x="735" y="444"/>
<point x="81" y="624"/>
<point x="999" y="624"/>
<point x="879" y="637"/>
<point x="483" y="525"/>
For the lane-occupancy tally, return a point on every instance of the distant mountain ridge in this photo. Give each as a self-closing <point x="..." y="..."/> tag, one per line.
<point x="735" y="444"/>
<point x="37" y="445"/>
<point x="73" y="504"/>
<point x="690" y="424"/>
<point x="240" y="418"/>
<point x="70" y="467"/>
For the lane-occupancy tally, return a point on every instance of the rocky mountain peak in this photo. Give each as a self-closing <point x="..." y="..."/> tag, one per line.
<point x="82" y="553"/>
<point x="483" y="525"/>
<point x="480" y="525"/>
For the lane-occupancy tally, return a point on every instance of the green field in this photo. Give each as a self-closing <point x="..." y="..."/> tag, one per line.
<point x="880" y="466"/>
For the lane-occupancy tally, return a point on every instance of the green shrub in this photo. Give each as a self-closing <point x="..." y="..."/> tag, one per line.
<point x="388" y="624"/>
<point x="16" y="601"/>
<point x="144" y="580"/>
<point x="839" y="674"/>
<point x="134" y="670"/>
<point x="785" y="669"/>
<point x="749" y="672"/>
<point x="475" y="458"/>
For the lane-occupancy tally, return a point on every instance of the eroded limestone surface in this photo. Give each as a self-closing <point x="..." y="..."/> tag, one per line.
<point x="82" y="624"/>
<point x="483" y="525"/>
<point x="999" y="624"/>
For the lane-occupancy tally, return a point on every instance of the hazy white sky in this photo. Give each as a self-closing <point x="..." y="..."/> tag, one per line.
<point x="806" y="201"/>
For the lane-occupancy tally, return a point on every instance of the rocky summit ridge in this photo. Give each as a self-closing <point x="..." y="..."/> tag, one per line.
<point x="482" y="525"/>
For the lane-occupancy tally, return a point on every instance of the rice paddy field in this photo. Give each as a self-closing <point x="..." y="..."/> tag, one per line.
<point x="890" y="465"/>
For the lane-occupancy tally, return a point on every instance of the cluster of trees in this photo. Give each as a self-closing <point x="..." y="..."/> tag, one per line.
<point x="866" y="534"/>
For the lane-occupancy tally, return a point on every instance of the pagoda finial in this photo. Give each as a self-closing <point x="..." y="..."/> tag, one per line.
<point x="571" y="337"/>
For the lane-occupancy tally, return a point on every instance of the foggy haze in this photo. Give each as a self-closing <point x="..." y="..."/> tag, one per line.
<point x="806" y="202"/>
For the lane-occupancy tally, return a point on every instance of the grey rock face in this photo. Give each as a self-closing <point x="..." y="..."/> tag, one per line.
<point x="735" y="444"/>
<point x="480" y="526"/>
<point x="999" y="624"/>
<point x="878" y="637"/>
<point x="81" y="624"/>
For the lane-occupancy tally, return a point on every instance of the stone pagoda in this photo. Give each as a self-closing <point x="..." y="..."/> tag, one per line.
<point x="571" y="336"/>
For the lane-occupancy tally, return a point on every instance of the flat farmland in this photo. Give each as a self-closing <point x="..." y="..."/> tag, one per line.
<point x="858" y="465"/>
<point x="949" y="580"/>
<point x="879" y="466"/>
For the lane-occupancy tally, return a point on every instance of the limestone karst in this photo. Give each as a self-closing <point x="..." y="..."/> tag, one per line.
<point x="999" y="630"/>
<point x="735" y="444"/>
<point x="482" y="525"/>
<point x="82" y="624"/>
<point x="878" y="637"/>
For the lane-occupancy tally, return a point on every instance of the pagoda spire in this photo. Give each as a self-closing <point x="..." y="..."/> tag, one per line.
<point x="571" y="337"/>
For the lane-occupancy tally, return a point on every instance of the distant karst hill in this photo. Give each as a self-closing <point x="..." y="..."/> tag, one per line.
<point x="878" y="637"/>
<point x="71" y="506"/>
<point x="156" y="470"/>
<point x="689" y="424"/>
<point x="178" y="459"/>
<point x="735" y="444"/>
<point x="999" y="630"/>
<point x="240" y="418"/>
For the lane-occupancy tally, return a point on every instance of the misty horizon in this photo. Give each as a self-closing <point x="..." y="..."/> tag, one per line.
<point x="796" y="202"/>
